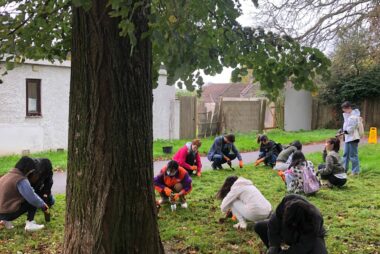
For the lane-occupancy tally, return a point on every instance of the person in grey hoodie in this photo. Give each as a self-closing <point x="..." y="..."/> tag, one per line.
<point x="246" y="202"/>
<point x="351" y="137"/>
<point x="333" y="171"/>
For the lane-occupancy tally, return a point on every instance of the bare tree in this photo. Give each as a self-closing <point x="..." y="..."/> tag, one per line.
<point x="316" y="22"/>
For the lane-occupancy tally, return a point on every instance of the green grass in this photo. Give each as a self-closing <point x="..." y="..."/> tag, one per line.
<point x="247" y="142"/>
<point x="351" y="215"/>
<point x="59" y="160"/>
<point x="244" y="142"/>
<point x="49" y="240"/>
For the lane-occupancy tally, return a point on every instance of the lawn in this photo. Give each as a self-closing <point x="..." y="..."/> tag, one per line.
<point x="351" y="214"/>
<point x="244" y="142"/>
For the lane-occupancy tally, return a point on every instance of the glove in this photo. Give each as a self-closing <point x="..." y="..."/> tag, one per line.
<point x="193" y="167"/>
<point x="167" y="191"/>
<point x="199" y="174"/>
<point x="241" y="164"/>
<point x="176" y="196"/>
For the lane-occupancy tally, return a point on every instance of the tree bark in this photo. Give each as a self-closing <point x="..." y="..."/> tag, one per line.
<point x="110" y="196"/>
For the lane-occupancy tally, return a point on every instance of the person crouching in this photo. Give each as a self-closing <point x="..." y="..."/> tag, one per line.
<point x="174" y="182"/>
<point x="18" y="197"/>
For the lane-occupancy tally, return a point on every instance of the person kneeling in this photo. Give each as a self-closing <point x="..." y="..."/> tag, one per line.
<point x="18" y="197"/>
<point x="173" y="182"/>
<point x="223" y="150"/>
<point x="295" y="227"/>
<point x="244" y="200"/>
<point x="42" y="180"/>
<point x="188" y="157"/>
<point x="269" y="151"/>
<point x="333" y="171"/>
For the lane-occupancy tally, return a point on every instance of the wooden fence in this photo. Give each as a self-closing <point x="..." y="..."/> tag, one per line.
<point x="326" y="116"/>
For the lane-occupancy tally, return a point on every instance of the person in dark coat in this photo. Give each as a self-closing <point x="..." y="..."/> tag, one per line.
<point x="268" y="151"/>
<point x="223" y="150"/>
<point x="42" y="180"/>
<point x="296" y="227"/>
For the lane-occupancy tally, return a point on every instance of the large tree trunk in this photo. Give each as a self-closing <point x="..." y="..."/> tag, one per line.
<point x="110" y="196"/>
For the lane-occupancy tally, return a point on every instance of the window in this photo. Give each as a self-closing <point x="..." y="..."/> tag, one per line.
<point x="33" y="97"/>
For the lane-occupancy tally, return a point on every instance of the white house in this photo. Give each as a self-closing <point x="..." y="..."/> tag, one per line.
<point x="34" y="108"/>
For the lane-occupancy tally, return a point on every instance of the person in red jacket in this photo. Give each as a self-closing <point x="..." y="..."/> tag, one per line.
<point x="173" y="179"/>
<point x="188" y="157"/>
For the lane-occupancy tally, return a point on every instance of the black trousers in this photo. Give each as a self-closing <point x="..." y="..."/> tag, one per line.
<point x="334" y="180"/>
<point x="24" y="208"/>
<point x="261" y="228"/>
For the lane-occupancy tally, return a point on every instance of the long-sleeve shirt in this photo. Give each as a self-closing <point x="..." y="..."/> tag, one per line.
<point x="162" y="180"/>
<point x="183" y="153"/>
<point x="333" y="164"/>
<point x="350" y="126"/>
<point x="284" y="155"/>
<point x="29" y="195"/>
<point x="220" y="147"/>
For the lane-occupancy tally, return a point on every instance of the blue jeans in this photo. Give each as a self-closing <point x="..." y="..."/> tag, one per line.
<point x="270" y="158"/>
<point x="351" y="154"/>
<point x="219" y="159"/>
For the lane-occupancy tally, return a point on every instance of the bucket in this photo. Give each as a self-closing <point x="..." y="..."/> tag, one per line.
<point x="167" y="149"/>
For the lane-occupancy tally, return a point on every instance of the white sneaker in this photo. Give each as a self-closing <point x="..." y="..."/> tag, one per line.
<point x="33" y="226"/>
<point x="241" y="225"/>
<point x="7" y="224"/>
<point x="184" y="205"/>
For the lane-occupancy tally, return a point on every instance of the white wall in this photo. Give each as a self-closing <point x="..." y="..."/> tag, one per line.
<point x="19" y="132"/>
<point x="165" y="110"/>
<point x="298" y="109"/>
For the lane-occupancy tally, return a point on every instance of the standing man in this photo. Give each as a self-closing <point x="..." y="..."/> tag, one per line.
<point x="351" y="137"/>
<point x="223" y="151"/>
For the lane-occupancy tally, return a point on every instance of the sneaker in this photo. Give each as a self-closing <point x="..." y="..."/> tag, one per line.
<point x="7" y="224"/>
<point x="354" y="173"/>
<point x="326" y="184"/>
<point x="213" y="166"/>
<point x="33" y="226"/>
<point x="241" y="225"/>
<point x="184" y="205"/>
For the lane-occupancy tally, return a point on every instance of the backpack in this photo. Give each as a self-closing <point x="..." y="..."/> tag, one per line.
<point x="311" y="183"/>
<point x="360" y="127"/>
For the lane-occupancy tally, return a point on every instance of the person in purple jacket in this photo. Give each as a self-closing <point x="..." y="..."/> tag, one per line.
<point x="173" y="180"/>
<point x="18" y="197"/>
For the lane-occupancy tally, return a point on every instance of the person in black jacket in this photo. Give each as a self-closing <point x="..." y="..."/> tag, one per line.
<point x="296" y="227"/>
<point x="269" y="151"/>
<point x="42" y="180"/>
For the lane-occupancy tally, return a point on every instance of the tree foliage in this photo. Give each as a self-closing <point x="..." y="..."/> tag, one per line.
<point x="355" y="68"/>
<point x="316" y="22"/>
<point x="186" y="36"/>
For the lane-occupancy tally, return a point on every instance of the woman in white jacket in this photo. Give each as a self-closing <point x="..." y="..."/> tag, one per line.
<point x="244" y="200"/>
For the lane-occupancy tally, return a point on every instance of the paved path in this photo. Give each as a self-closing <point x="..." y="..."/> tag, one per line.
<point x="60" y="177"/>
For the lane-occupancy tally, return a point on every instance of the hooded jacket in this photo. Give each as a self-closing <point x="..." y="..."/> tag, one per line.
<point x="182" y="154"/>
<point x="244" y="190"/>
<point x="351" y="126"/>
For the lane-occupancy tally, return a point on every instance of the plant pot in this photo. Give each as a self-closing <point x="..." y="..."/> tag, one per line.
<point x="167" y="149"/>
